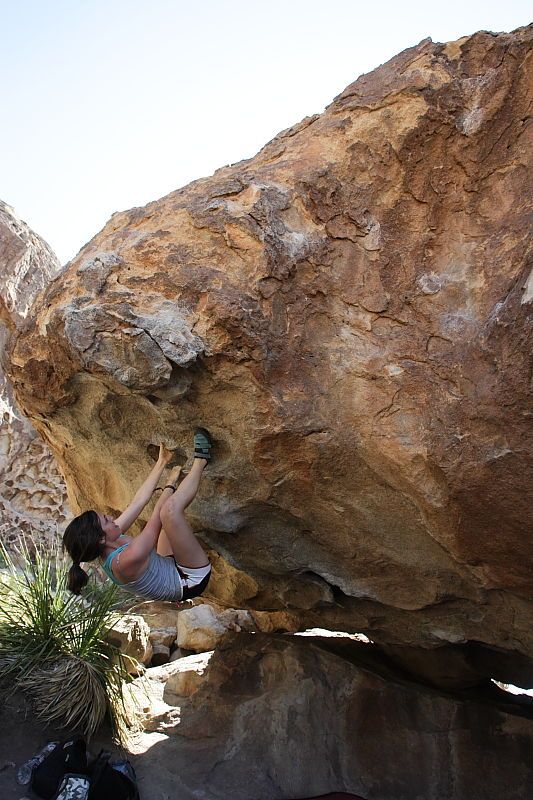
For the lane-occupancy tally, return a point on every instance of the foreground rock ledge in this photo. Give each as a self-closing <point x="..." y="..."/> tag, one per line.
<point x="297" y="721"/>
<point x="347" y="312"/>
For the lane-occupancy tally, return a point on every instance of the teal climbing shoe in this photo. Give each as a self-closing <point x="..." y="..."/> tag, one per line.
<point x="203" y="444"/>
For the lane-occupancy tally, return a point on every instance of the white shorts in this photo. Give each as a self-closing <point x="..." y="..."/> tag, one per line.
<point x="193" y="576"/>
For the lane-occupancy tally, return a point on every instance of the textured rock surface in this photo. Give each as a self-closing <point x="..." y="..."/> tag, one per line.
<point x="288" y="719"/>
<point x="199" y="629"/>
<point x="347" y="312"/>
<point x="186" y="675"/>
<point x="33" y="497"/>
<point x="198" y="626"/>
<point x="32" y="491"/>
<point x="164" y="636"/>
<point x="131" y="634"/>
<point x="28" y="265"/>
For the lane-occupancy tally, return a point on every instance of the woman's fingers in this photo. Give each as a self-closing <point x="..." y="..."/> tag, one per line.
<point x="164" y="454"/>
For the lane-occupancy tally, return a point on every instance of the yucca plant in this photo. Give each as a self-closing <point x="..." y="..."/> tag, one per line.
<point x="53" y="644"/>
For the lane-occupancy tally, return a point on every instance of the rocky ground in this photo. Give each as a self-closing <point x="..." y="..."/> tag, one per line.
<point x="22" y="735"/>
<point x="298" y="715"/>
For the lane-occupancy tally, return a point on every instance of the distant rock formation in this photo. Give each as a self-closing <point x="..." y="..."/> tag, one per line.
<point x="28" y="264"/>
<point x="348" y="313"/>
<point x="32" y="491"/>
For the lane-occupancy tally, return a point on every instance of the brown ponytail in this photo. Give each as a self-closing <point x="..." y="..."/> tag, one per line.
<point x="77" y="579"/>
<point x="83" y="542"/>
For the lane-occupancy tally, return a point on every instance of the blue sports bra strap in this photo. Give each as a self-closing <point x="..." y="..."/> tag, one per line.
<point x="106" y="565"/>
<point x="112" y="555"/>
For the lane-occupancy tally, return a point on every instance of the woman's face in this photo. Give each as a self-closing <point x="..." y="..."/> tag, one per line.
<point x="109" y="526"/>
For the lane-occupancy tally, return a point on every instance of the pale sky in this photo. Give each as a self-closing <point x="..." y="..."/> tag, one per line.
<point x="108" y="104"/>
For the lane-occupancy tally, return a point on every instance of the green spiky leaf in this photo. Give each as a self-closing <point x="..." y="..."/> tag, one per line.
<point x="54" y="646"/>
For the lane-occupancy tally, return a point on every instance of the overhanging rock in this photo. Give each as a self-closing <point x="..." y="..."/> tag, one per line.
<point x="348" y="313"/>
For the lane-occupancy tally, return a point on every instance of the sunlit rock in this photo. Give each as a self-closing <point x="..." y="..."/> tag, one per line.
<point x="199" y="629"/>
<point x="131" y="635"/>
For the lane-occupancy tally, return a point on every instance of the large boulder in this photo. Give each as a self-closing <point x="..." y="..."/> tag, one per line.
<point x="277" y="717"/>
<point x="348" y="313"/>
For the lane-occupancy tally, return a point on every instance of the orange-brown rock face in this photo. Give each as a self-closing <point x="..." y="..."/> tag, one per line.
<point x="347" y="312"/>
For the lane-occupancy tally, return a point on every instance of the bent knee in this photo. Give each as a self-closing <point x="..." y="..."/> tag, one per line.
<point x="170" y="510"/>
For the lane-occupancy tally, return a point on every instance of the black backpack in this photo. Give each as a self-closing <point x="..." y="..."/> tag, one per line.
<point x="65" y="774"/>
<point x="66" y="757"/>
<point x="112" y="779"/>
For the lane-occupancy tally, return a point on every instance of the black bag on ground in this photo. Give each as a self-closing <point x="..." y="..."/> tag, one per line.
<point x="116" y="780"/>
<point x="73" y="787"/>
<point x="67" y="757"/>
<point x="64" y="774"/>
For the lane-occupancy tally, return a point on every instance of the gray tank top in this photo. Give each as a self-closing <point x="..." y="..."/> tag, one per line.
<point x="160" y="580"/>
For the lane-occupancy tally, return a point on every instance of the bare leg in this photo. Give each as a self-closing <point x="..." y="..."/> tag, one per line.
<point x="163" y="545"/>
<point x="178" y="535"/>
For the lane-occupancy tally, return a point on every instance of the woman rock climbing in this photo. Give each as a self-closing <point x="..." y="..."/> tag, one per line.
<point x="165" y="561"/>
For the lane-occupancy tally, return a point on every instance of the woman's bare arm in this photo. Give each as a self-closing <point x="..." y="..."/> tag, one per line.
<point x="141" y="546"/>
<point x="145" y="492"/>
